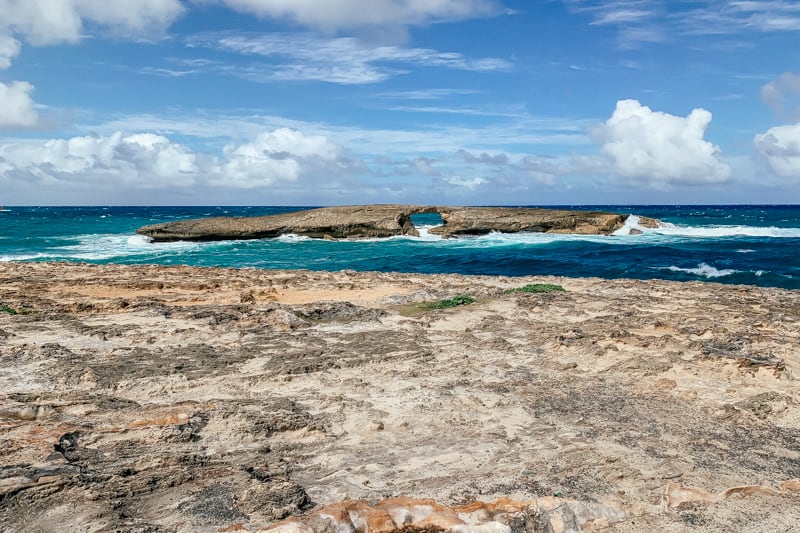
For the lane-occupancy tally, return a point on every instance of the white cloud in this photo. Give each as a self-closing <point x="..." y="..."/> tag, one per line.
<point x="783" y="95"/>
<point x="9" y="49"/>
<point x="17" y="109"/>
<point x="659" y="149"/>
<point x="42" y="22"/>
<point x="780" y="146"/>
<point x="621" y="15"/>
<point x="499" y="159"/>
<point x="52" y="21"/>
<point x="279" y="157"/>
<point x="471" y="184"/>
<point x="344" y="60"/>
<point x="425" y="94"/>
<point x="146" y="160"/>
<point x="142" y="160"/>
<point x="653" y="21"/>
<point x="333" y="15"/>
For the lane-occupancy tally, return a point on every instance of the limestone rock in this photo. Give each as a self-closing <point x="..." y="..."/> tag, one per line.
<point x="482" y="220"/>
<point x="365" y="221"/>
<point x="371" y="221"/>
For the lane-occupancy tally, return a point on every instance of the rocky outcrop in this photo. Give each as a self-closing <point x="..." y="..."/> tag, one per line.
<point x="145" y="398"/>
<point x="386" y="221"/>
<point x="482" y="220"/>
<point x="361" y="221"/>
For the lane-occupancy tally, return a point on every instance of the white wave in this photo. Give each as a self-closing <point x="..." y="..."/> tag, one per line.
<point x="497" y="238"/>
<point x="745" y="251"/>
<point x="424" y="234"/>
<point x="292" y="237"/>
<point x="139" y="240"/>
<point x="711" y="231"/>
<point x="726" y="231"/>
<point x="631" y="224"/>
<point x="101" y="247"/>
<point x="500" y="239"/>
<point x="704" y="270"/>
<point x="22" y="257"/>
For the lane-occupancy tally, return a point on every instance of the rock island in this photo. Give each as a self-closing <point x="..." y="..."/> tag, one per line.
<point x="371" y="221"/>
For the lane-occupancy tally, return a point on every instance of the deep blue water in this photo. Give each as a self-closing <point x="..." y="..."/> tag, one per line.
<point x="755" y="245"/>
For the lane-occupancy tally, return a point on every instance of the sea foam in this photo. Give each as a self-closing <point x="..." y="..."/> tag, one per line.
<point x="727" y="231"/>
<point x="632" y="226"/>
<point x="704" y="270"/>
<point x="98" y="247"/>
<point x="292" y="237"/>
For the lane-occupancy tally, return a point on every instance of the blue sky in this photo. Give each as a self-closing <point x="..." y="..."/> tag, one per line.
<point x="303" y="102"/>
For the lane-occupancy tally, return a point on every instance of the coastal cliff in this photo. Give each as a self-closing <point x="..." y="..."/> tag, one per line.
<point x="371" y="221"/>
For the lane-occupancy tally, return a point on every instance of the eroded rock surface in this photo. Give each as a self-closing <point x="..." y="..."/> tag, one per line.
<point x="328" y="222"/>
<point x="482" y="220"/>
<point x="177" y="399"/>
<point x="387" y="221"/>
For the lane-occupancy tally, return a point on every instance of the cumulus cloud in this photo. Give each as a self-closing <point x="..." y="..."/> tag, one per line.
<point x="42" y="22"/>
<point x="17" y="110"/>
<point x="146" y="160"/>
<point x="283" y="155"/>
<point x="142" y="160"/>
<point x="780" y="147"/>
<point x="783" y="95"/>
<point x="333" y="15"/>
<point x="52" y="21"/>
<point x="659" y="149"/>
<point x="9" y="49"/>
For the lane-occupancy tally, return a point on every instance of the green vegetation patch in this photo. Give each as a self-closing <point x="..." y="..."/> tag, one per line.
<point x="451" y="302"/>
<point x="11" y="311"/>
<point x="538" y="288"/>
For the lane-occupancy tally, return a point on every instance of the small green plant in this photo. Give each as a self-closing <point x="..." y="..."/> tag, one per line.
<point x="537" y="288"/>
<point x="11" y="311"/>
<point x="451" y="302"/>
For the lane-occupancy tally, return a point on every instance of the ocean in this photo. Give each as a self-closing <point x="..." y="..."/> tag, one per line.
<point x="753" y="245"/>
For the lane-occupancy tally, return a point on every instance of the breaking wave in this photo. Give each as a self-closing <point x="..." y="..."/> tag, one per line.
<point x="705" y="270"/>
<point x="95" y="247"/>
<point x="291" y="237"/>
<point x="726" y="231"/>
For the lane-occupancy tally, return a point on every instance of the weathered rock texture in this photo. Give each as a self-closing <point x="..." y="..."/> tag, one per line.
<point x="482" y="220"/>
<point x="177" y="399"/>
<point x="387" y="221"/>
<point x="327" y="222"/>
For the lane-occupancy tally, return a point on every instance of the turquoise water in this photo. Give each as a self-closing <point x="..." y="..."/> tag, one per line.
<point x="755" y="245"/>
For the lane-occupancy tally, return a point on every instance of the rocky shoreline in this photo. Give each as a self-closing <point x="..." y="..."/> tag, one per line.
<point x="152" y="398"/>
<point x="371" y="221"/>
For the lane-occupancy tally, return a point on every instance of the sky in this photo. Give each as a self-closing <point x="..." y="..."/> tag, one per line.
<point x="451" y="102"/>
